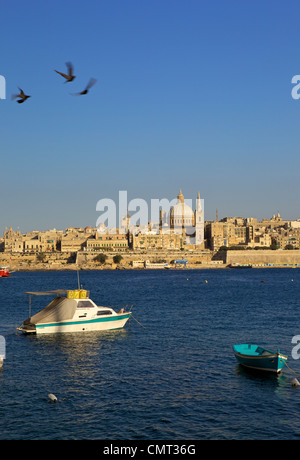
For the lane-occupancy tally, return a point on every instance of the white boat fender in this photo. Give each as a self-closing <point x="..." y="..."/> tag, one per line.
<point x="295" y="383"/>
<point x="52" y="397"/>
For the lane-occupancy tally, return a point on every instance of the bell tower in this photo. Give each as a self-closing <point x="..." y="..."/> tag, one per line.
<point x="199" y="222"/>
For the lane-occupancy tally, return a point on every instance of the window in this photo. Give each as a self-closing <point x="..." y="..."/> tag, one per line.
<point x="85" y="304"/>
<point x="103" y="312"/>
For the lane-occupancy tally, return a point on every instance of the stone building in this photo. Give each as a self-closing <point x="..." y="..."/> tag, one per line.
<point x="13" y="241"/>
<point x="105" y="240"/>
<point x="47" y="241"/>
<point x="73" y="240"/>
<point x="225" y="233"/>
<point x="284" y="237"/>
<point x="248" y="232"/>
<point x="159" y="240"/>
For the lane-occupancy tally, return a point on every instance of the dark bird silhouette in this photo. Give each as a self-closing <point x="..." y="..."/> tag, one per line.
<point x="22" y="96"/>
<point x="70" y="75"/>
<point x="88" y="86"/>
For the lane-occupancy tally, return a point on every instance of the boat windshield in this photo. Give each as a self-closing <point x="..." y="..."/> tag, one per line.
<point x="85" y="304"/>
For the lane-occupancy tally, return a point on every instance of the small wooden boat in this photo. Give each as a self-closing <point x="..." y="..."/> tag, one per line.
<point x="257" y="357"/>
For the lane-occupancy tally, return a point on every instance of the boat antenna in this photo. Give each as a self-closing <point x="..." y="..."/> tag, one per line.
<point x="29" y="305"/>
<point x="78" y="279"/>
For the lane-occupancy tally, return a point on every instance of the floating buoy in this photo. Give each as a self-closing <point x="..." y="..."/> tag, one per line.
<point x="52" y="397"/>
<point x="295" y="383"/>
<point x="206" y="281"/>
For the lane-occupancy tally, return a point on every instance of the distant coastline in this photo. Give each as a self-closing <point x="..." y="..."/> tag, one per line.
<point x="160" y="260"/>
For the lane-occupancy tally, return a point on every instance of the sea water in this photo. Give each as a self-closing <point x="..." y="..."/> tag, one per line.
<point x="171" y="377"/>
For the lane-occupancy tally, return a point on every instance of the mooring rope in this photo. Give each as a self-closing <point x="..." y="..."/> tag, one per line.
<point x="137" y="321"/>
<point x="291" y="369"/>
<point x="8" y="333"/>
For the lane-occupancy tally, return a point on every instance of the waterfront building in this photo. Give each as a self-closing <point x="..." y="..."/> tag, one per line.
<point x="178" y="228"/>
<point x="108" y="240"/>
<point x="73" y="240"/>
<point x="13" y="241"/>
<point x="225" y="233"/>
<point x="157" y="240"/>
<point x="244" y="232"/>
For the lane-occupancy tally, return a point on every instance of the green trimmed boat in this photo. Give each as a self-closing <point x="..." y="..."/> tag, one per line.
<point x="257" y="357"/>
<point x="72" y="311"/>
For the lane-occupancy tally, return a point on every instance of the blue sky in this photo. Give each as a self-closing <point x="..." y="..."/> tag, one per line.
<point x="190" y="94"/>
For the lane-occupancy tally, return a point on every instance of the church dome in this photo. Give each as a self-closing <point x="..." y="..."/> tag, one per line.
<point x="181" y="214"/>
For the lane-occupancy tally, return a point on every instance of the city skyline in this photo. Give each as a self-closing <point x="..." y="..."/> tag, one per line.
<point x="191" y="95"/>
<point x="102" y="227"/>
<point x="178" y="229"/>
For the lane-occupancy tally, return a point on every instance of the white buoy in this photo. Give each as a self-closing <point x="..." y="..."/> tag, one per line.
<point x="295" y="383"/>
<point x="52" y="397"/>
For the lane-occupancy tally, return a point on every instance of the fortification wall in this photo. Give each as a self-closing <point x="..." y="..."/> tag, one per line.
<point x="257" y="257"/>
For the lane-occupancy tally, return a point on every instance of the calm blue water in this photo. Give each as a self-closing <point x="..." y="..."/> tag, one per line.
<point x="177" y="378"/>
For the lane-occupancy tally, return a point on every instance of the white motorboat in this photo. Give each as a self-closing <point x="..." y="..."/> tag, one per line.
<point x="72" y="311"/>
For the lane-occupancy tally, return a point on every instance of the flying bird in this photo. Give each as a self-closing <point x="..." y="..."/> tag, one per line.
<point x="22" y="96"/>
<point x="70" y="75"/>
<point x="88" y="86"/>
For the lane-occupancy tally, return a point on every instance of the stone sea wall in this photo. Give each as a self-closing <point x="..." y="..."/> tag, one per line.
<point x="263" y="257"/>
<point x="136" y="259"/>
<point x="86" y="260"/>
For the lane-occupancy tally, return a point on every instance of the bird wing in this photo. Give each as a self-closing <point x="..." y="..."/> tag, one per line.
<point x="70" y="69"/>
<point x="62" y="74"/>
<point x="21" y="94"/>
<point x="88" y="86"/>
<point x="91" y="83"/>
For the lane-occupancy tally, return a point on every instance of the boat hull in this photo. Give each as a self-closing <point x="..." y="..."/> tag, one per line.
<point x="97" y="324"/>
<point x="4" y="271"/>
<point x="267" y="363"/>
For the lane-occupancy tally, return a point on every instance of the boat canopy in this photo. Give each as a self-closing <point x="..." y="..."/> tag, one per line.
<point x="55" y="292"/>
<point x="60" y="309"/>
